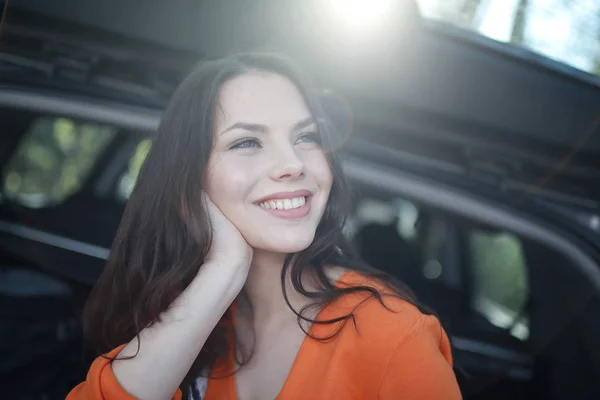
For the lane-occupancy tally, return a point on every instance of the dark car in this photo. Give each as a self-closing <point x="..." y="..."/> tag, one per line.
<point x="477" y="168"/>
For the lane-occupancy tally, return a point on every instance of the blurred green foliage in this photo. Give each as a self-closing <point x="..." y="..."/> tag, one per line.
<point x="127" y="181"/>
<point x="500" y="269"/>
<point x="53" y="160"/>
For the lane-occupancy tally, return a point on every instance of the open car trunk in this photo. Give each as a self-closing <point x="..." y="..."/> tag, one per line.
<point x="494" y="111"/>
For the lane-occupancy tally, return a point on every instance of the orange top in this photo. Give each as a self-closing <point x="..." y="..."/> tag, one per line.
<point x="391" y="354"/>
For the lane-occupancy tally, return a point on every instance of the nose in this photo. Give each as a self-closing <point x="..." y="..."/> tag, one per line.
<point x="287" y="165"/>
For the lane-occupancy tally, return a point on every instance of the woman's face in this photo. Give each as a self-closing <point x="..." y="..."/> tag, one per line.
<point x="267" y="172"/>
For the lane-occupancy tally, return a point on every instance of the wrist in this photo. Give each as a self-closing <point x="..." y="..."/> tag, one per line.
<point x="220" y="277"/>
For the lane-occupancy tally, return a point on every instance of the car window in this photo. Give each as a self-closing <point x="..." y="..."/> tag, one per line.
<point x="500" y="279"/>
<point x="53" y="160"/>
<point x="127" y="181"/>
<point x="422" y="248"/>
<point x="391" y="237"/>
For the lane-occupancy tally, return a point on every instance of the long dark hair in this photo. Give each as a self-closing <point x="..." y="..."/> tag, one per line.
<point x="165" y="234"/>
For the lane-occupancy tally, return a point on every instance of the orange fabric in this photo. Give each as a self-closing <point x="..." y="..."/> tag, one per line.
<point x="390" y="354"/>
<point x="101" y="383"/>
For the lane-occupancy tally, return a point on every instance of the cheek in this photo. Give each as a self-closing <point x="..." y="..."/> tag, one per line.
<point x="321" y="170"/>
<point x="229" y="183"/>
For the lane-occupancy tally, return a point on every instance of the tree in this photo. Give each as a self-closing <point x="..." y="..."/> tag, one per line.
<point x="53" y="160"/>
<point x="470" y="9"/>
<point x="458" y="12"/>
<point x="520" y="21"/>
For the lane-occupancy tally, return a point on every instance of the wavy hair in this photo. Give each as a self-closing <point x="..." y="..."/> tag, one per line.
<point x="164" y="234"/>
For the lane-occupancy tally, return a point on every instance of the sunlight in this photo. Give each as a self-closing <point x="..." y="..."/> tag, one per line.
<point x="357" y="15"/>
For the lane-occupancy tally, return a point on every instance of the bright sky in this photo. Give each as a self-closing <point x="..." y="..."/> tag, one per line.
<point x="497" y="20"/>
<point x="570" y="35"/>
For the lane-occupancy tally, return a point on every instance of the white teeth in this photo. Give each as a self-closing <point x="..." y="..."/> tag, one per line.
<point x="284" y="204"/>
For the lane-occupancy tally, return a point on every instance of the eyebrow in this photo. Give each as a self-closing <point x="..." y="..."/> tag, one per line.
<point x="304" y="123"/>
<point x="259" y="128"/>
<point x="248" y="127"/>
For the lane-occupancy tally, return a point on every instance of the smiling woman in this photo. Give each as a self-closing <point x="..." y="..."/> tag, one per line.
<point x="230" y="276"/>
<point x="273" y="163"/>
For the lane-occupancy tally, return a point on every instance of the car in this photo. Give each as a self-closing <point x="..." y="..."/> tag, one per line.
<point x="475" y="166"/>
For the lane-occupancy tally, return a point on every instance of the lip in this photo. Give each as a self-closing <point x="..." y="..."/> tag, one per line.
<point x="294" y="213"/>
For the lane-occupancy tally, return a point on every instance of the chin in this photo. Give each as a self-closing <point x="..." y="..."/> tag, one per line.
<point x="285" y="245"/>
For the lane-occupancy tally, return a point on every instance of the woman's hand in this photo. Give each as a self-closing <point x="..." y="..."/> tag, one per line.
<point x="228" y="248"/>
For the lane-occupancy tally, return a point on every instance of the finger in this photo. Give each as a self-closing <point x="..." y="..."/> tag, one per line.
<point x="208" y="203"/>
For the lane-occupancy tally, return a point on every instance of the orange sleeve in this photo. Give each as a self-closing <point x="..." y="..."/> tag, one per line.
<point x="101" y="383"/>
<point x="421" y="366"/>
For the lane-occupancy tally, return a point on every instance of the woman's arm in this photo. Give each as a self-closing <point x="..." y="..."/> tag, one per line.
<point x="169" y="347"/>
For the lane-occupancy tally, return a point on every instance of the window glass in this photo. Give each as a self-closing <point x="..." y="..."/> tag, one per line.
<point x="500" y="279"/>
<point x="53" y="160"/>
<point x="127" y="181"/>
<point x="391" y="236"/>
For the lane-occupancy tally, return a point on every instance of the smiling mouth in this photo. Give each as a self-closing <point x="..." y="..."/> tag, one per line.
<point x="284" y="204"/>
<point x="288" y="206"/>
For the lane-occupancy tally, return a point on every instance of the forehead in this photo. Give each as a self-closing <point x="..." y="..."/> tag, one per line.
<point x="262" y="98"/>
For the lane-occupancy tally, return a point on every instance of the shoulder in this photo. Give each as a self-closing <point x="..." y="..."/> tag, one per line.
<point x="407" y="353"/>
<point x="388" y="324"/>
<point x="392" y="312"/>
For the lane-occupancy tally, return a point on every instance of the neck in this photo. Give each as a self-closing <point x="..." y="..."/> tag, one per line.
<point x="263" y="288"/>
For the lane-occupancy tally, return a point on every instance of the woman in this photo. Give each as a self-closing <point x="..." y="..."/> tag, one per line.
<point x="230" y="262"/>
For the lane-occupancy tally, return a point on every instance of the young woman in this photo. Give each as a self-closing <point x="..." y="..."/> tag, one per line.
<point x="230" y="278"/>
